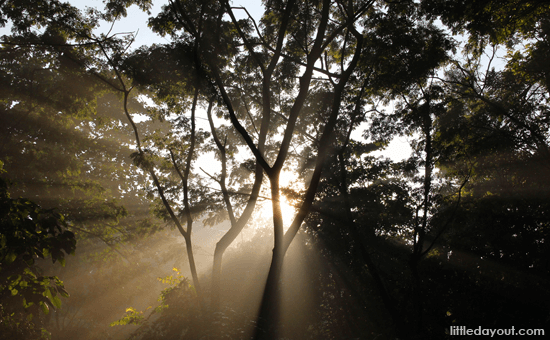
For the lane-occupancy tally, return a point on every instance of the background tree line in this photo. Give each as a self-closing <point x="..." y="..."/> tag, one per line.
<point x="113" y="137"/>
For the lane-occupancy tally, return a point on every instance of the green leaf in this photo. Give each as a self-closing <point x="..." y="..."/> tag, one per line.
<point x="56" y="301"/>
<point x="10" y="257"/>
<point x="44" y="308"/>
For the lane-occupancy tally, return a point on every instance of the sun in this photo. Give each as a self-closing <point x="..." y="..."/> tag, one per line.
<point x="286" y="179"/>
<point x="288" y="212"/>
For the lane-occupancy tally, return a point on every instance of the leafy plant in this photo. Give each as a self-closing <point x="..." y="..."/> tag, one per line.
<point x="29" y="232"/>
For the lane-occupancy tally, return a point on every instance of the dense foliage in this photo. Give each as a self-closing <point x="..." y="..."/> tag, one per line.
<point x="29" y="232"/>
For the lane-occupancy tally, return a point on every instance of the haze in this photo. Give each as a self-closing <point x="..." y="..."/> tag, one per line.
<point x="313" y="170"/>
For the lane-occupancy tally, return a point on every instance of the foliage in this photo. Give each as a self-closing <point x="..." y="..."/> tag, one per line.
<point x="29" y="232"/>
<point x="164" y="318"/>
<point x="132" y="317"/>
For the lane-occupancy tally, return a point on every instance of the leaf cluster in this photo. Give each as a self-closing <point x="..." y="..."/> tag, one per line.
<point x="28" y="233"/>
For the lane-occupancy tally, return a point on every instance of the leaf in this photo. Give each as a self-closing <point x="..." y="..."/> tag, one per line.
<point x="56" y="301"/>
<point x="61" y="290"/>
<point x="10" y="257"/>
<point x="44" y="308"/>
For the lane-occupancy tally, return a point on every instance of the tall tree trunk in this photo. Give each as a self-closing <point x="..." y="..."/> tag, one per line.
<point x="150" y="167"/>
<point x="267" y="327"/>
<point x="269" y="314"/>
<point x="420" y="233"/>
<point x="192" y="266"/>
<point x="359" y="240"/>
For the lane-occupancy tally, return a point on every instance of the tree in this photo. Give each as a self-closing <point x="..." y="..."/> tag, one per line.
<point x="443" y="209"/>
<point x="64" y="146"/>
<point x="500" y="118"/>
<point x="310" y="36"/>
<point x="59" y="136"/>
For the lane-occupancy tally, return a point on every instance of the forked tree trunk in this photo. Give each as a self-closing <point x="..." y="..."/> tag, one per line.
<point x="229" y="237"/>
<point x="268" y="319"/>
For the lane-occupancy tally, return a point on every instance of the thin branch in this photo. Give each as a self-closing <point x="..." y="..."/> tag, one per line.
<point x="209" y="175"/>
<point x="247" y="43"/>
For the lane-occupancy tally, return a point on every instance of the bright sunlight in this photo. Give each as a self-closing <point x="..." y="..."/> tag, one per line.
<point x="287" y="179"/>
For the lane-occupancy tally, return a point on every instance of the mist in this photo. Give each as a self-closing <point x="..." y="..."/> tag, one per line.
<point x="293" y="170"/>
